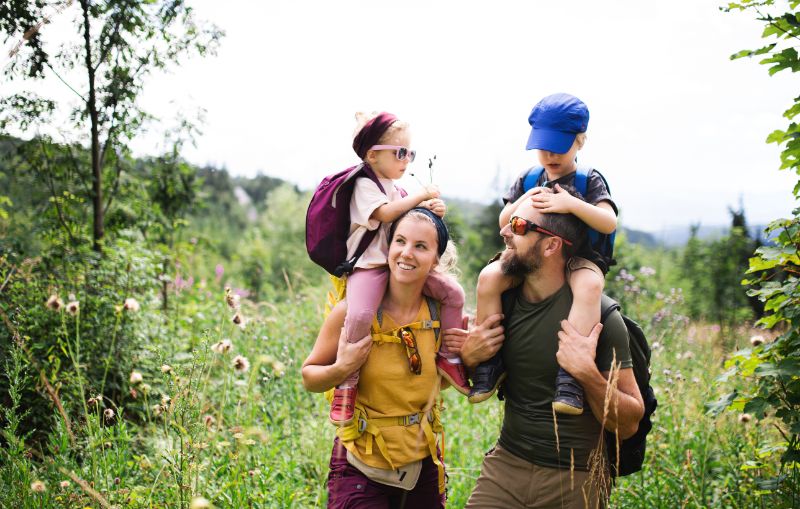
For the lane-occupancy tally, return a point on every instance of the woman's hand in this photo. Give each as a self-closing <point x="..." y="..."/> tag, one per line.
<point x="351" y="356"/>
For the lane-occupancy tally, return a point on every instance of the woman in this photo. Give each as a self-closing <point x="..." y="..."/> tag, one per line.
<point x="388" y="456"/>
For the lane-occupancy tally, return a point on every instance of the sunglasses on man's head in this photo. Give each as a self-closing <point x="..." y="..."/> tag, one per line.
<point x="399" y="152"/>
<point x="521" y="226"/>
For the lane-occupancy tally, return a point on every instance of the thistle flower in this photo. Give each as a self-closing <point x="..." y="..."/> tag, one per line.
<point x="200" y="503"/>
<point x="108" y="413"/>
<point x="278" y="368"/>
<point x="745" y="418"/>
<point x="757" y="340"/>
<point x="96" y="400"/>
<point x="55" y="303"/>
<point x="64" y="484"/>
<point x="38" y="486"/>
<point x="131" y="304"/>
<point x="232" y="299"/>
<point x="73" y="307"/>
<point x="222" y="347"/>
<point x="241" y="364"/>
<point x="135" y="378"/>
<point x="166" y="368"/>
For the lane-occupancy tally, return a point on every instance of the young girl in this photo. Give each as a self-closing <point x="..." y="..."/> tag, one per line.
<point x="559" y="124"/>
<point x="382" y="142"/>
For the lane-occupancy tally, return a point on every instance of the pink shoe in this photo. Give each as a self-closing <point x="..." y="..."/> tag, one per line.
<point x="453" y="373"/>
<point x="343" y="405"/>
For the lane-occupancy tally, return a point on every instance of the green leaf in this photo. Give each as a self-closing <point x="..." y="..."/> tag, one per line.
<point x="757" y="407"/>
<point x="721" y="404"/>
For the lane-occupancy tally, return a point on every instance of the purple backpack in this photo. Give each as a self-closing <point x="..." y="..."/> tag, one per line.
<point x="328" y="220"/>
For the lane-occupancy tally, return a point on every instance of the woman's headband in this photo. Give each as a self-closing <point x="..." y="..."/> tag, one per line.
<point x="371" y="133"/>
<point x="443" y="236"/>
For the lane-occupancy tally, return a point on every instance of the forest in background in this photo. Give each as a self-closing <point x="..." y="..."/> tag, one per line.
<point x="155" y="314"/>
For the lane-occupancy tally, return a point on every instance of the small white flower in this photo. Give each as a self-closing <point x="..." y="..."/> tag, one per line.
<point x="38" y="487"/>
<point x="165" y="400"/>
<point x="73" y="307"/>
<point x="166" y="368"/>
<point x="135" y="377"/>
<point x="278" y="368"/>
<point x="745" y="418"/>
<point x="222" y="347"/>
<point x="55" y="303"/>
<point x="200" y="503"/>
<point x="108" y="414"/>
<point x="241" y="364"/>
<point x="131" y="304"/>
<point x="64" y="484"/>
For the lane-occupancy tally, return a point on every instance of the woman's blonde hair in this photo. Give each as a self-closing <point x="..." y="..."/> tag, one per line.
<point x="362" y="118"/>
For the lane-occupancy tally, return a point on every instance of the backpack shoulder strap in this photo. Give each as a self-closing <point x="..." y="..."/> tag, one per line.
<point x="607" y="306"/>
<point x="433" y="309"/>
<point x="532" y="178"/>
<point x="582" y="180"/>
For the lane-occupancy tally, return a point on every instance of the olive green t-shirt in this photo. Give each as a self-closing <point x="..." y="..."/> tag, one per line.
<point x="529" y="353"/>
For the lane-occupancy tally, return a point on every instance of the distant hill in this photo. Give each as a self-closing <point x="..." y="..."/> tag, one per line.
<point x="678" y="235"/>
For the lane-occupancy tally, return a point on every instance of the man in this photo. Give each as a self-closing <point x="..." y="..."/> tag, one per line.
<point x="538" y="461"/>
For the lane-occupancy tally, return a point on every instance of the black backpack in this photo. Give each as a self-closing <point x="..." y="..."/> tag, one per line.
<point x="632" y="449"/>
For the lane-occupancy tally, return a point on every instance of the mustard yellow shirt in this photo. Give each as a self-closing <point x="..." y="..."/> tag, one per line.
<point x="388" y="388"/>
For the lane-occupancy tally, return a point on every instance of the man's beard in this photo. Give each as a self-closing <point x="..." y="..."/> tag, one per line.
<point x="517" y="266"/>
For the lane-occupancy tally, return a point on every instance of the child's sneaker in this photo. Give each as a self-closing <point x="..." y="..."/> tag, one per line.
<point x="569" y="394"/>
<point x="343" y="405"/>
<point x="487" y="378"/>
<point x="453" y="373"/>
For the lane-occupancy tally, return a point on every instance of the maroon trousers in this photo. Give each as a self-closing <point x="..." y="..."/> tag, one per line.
<point x="348" y="488"/>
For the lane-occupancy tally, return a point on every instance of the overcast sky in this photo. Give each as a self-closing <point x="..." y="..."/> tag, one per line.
<point x="676" y="127"/>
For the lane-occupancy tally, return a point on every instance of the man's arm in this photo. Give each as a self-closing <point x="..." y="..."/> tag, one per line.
<point x="625" y="408"/>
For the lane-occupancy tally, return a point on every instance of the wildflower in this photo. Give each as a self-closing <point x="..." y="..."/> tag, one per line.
<point x="254" y="472"/>
<point x="200" y="503"/>
<point x="647" y="271"/>
<point x="278" y="368"/>
<point x="157" y="409"/>
<point x="108" y="413"/>
<point x="238" y="319"/>
<point x="222" y="347"/>
<point x="38" y="486"/>
<point x="757" y="340"/>
<point x="131" y="304"/>
<point x="241" y="364"/>
<point x="145" y="388"/>
<point x="208" y="420"/>
<point x="219" y="270"/>
<point x="238" y="436"/>
<point x="165" y="400"/>
<point x="745" y="418"/>
<point x="135" y="377"/>
<point x="96" y="400"/>
<point x="232" y="299"/>
<point x="73" y="307"/>
<point x="64" y="484"/>
<point x="166" y="368"/>
<point x="55" y="303"/>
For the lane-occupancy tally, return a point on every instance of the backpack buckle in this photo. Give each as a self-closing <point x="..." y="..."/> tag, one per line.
<point x="427" y="324"/>
<point x="412" y="419"/>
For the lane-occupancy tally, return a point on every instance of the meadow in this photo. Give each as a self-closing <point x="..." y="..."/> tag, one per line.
<point x="188" y="393"/>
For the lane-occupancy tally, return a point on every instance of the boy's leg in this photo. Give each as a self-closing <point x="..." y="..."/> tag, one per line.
<point x="365" y="289"/>
<point x="489" y="374"/>
<point x="586" y="282"/>
<point x="450" y="294"/>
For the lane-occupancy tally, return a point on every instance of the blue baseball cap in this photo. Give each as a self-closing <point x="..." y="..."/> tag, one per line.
<point x="555" y="120"/>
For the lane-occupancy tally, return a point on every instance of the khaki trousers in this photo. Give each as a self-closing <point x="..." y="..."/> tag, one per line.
<point x="507" y="481"/>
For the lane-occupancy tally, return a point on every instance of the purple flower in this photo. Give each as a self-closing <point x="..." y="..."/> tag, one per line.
<point x="219" y="270"/>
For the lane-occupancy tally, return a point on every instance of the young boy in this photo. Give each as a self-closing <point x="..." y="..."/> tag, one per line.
<point x="559" y="123"/>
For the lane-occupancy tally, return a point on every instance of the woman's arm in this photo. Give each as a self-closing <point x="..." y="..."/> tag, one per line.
<point x="332" y="358"/>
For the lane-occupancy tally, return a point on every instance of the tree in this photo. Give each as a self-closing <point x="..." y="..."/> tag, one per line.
<point x="772" y="370"/>
<point x="121" y="43"/>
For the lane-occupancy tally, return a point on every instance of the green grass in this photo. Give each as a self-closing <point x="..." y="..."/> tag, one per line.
<point x="258" y="439"/>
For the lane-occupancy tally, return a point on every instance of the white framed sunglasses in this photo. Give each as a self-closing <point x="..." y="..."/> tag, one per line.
<point x="399" y="152"/>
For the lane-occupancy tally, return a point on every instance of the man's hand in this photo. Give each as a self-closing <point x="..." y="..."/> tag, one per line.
<point x="557" y="201"/>
<point x="483" y="341"/>
<point x="576" y="353"/>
